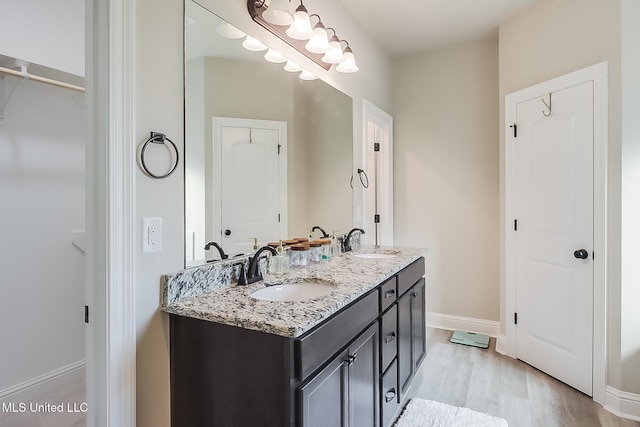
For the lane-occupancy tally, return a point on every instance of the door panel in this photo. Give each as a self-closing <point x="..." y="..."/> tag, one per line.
<point x="554" y="209"/>
<point x="250" y="187"/>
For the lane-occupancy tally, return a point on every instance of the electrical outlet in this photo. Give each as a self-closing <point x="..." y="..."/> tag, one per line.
<point x="151" y="235"/>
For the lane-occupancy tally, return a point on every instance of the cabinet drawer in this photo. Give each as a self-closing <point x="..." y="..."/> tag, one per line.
<point x="410" y="275"/>
<point x="318" y="345"/>
<point x="388" y="293"/>
<point x="388" y="336"/>
<point x="389" y="396"/>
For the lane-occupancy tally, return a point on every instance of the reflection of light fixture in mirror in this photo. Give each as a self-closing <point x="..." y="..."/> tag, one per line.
<point x="228" y="31"/>
<point x="307" y="75"/>
<point x="274" y="56"/>
<point x="300" y="29"/>
<point x="278" y="12"/>
<point x="253" y="44"/>
<point x="319" y="42"/>
<point x="348" y="64"/>
<point x="334" y="55"/>
<point x="292" y="67"/>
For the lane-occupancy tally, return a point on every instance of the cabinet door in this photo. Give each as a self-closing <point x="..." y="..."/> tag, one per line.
<point x="405" y="364"/>
<point x="418" y="324"/>
<point x="323" y="399"/>
<point x="362" y="362"/>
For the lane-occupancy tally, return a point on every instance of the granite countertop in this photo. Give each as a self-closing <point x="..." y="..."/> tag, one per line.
<point x="232" y="305"/>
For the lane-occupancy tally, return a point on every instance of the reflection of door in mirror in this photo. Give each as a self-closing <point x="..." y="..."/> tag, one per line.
<point x="251" y="158"/>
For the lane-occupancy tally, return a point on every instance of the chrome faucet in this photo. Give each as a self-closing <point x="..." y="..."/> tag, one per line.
<point x="346" y="243"/>
<point x="253" y="274"/>
<point x="217" y="246"/>
<point x="317" y="227"/>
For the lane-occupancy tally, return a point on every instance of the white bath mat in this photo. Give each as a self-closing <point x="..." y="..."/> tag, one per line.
<point x="427" y="413"/>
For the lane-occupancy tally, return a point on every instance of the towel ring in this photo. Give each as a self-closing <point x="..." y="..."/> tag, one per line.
<point x="158" y="138"/>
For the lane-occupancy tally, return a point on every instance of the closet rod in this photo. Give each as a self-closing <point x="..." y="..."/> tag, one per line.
<point x="41" y="79"/>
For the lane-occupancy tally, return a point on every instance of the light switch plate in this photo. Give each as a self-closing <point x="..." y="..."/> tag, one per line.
<point x="151" y="235"/>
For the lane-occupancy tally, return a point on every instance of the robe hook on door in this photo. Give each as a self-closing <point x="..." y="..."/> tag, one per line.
<point x="547" y="114"/>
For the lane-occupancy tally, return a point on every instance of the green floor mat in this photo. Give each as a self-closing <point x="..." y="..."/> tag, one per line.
<point x="470" y="338"/>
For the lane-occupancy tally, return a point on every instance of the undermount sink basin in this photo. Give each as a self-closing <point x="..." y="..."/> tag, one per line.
<point x="299" y="290"/>
<point x="377" y="255"/>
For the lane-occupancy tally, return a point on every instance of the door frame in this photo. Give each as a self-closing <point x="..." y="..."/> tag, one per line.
<point x="377" y="116"/>
<point x="598" y="74"/>
<point x="216" y="125"/>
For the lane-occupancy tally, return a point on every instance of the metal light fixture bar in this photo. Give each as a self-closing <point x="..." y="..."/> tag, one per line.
<point x="256" y="9"/>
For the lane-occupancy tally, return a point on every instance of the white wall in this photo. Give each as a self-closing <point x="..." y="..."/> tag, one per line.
<point x="630" y="289"/>
<point x="45" y="32"/>
<point x="446" y="189"/>
<point x="577" y="34"/>
<point x="42" y="191"/>
<point x="158" y="65"/>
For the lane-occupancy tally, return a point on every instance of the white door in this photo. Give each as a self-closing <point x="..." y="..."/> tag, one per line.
<point x="554" y="234"/>
<point x="252" y="182"/>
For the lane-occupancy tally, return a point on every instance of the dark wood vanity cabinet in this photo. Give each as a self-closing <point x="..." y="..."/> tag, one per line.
<point x="345" y="392"/>
<point x="347" y="371"/>
<point x="412" y="344"/>
<point x="403" y="336"/>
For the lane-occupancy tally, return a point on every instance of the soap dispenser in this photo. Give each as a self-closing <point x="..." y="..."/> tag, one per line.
<point x="335" y="247"/>
<point x="279" y="263"/>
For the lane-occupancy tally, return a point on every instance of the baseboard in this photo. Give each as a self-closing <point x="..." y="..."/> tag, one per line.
<point x="501" y="343"/>
<point x="43" y="385"/>
<point x="469" y="324"/>
<point x="622" y="404"/>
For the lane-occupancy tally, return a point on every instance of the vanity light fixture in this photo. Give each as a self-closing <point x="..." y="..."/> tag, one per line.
<point x="300" y="28"/>
<point x="274" y="56"/>
<point x="348" y="64"/>
<point x="319" y="48"/>
<point x="278" y="12"/>
<point x="253" y="44"/>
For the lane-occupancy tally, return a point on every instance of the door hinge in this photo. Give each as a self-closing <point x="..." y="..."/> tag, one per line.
<point x="279" y="146"/>
<point x="278" y="217"/>
<point x="86" y="314"/>
<point x="515" y="130"/>
<point x="376" y="218"/>
<point x="515" y="318"/>
<point x="376" y="146"/>
<point x="515" y="225"/>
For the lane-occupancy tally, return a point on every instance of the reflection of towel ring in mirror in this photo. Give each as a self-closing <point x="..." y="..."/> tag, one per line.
<point x="158" y="138"/>
<point x="361" y="172"/>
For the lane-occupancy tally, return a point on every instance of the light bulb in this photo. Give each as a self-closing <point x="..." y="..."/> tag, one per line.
<point x="334" y="55"/>
<point x="292" y="67"/>
<point x="228" y="31"/>
<point x="307" y="75"/>
<point x="319" y="42"/>
<point x="274" y="56"/>
<point x="253" y="44"/>
<point x="300" y="29"/>
<point x="348" y="64"/>
<point x="278" y="13"/>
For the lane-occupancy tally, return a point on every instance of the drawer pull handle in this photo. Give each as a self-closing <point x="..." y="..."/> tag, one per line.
<point x="390" y="337"/>
<point x="390" y="395"/>
<point x="415" y="294"/>
<point x="389" y="294"/>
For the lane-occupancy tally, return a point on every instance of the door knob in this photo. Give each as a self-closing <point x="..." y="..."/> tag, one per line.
<point x="227" y="232"/>
<point x="581" y="254"/>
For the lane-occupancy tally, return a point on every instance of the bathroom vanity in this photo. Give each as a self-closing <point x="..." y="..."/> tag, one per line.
<point x="345" y="358"/>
